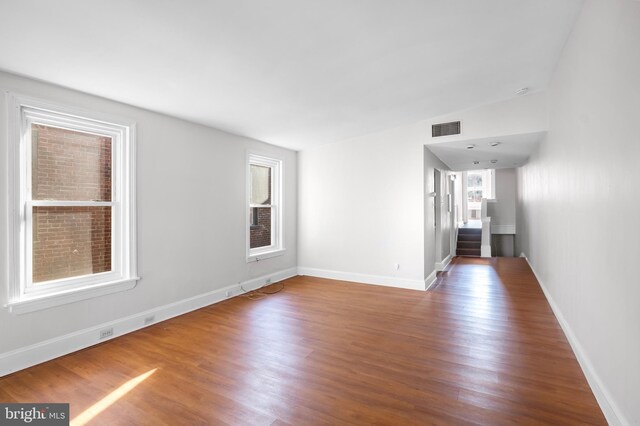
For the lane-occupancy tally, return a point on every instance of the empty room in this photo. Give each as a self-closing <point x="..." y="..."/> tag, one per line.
<point x="292" y="212"/>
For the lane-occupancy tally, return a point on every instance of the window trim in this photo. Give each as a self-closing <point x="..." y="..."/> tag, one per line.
<point x="277" y="184"/>
<point x="23" y="297"/>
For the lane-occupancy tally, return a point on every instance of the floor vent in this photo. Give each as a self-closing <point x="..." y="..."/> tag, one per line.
<point x="445" y="129"/>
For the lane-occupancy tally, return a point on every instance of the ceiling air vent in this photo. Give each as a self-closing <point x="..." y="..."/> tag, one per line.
<point x="445" y="129"/>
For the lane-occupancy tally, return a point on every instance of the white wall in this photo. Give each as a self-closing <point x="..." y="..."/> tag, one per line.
<point x="191" y="217"/>
<point x="361" y="203"/>
<point x="579" y="200"/>
<point x="361" y="206"/>
<point x="523" y="114"/>
<point x="503" y="210"/>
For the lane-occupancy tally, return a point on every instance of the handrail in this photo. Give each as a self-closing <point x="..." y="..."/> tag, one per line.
<point x="485" y="248"/>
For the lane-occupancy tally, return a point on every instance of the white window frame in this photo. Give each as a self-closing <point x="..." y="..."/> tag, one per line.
<point x="489" y="187"/>
<point x="277" y="221"/>
<point x="24" y="296"/>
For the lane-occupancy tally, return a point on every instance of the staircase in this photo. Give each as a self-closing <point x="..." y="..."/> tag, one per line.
<point x="469" y="241"/>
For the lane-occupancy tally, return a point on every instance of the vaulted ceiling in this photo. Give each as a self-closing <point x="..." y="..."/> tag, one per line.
<point x="290" y="72"/>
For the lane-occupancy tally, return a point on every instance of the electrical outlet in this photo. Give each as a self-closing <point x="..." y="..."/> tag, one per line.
<point x="149" y="320"/>
<point x="107" y="332"/>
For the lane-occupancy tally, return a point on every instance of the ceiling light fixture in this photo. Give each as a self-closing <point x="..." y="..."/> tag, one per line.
<point x="471" y="146"/>
<point x="476" y="162"/>
<point x="522" y="91"/>
<point x="494" y="161"/>
<point x="494" y="143"/>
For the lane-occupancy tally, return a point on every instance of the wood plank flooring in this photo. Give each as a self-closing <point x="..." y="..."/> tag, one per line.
<point x="482" y="348"/>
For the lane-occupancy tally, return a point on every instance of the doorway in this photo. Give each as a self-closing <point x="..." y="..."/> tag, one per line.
<point x="479" y="184"/>
<point x="437" y="213"/>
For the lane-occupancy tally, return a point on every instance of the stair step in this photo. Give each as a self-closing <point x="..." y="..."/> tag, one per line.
<point x="468" y="252"/>
<point x="469" y="244"/>
<point x="470" y="231"/>
<point x="469" y="237"/>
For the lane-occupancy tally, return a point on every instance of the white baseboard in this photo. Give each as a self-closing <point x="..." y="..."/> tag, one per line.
<point x="441" y="266"/>
<point x="430" y="280"/>
<point x="363" y="278"/>
<point x="607" y="404"/>
<point x="22" y="358"/>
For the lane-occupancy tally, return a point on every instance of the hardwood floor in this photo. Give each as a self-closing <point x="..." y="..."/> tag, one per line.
<point x="482" y="348"/>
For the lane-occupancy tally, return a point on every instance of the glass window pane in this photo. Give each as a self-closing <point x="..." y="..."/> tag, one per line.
<point x="253" y="216"/>
<point x="474" y="180"/>
<point x="69" y="165"/>
<point x="70" y="241"/>
<point x="474" y="196"/>
<point x="260" y="233"/>
<point x="260" y="185"/>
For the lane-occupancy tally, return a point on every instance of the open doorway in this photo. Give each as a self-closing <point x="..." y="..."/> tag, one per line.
<point x="437" y="213"/>
<point x="478" y="184"/>
<point x="444" y="214"/>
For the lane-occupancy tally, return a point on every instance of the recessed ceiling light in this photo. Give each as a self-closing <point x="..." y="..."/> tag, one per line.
<point x="476" y="162"/>
<point x="494" y="161"/>
<point x="471" y="146"/>
<point x="522" y="91"/>
<point x="494" y="143"/>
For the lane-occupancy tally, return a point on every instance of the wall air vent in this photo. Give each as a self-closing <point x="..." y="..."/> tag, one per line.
<point x="445" y="129"/>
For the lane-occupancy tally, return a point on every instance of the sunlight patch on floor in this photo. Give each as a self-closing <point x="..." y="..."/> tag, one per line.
<point x="88" y="414"/>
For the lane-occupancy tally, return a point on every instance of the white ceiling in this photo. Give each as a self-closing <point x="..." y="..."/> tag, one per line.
<point x="293" y="73"/>
<point x="512" y="151"/>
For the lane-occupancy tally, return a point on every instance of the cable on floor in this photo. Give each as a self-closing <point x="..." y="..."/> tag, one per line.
<point x="261" y="292"/>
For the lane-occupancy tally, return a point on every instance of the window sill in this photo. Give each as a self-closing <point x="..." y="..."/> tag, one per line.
<point x="41" y="302"/>
<point x="266" y="255"/>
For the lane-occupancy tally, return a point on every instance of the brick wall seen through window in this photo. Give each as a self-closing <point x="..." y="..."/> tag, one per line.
<point x="70" y="166"/>
<point x="260" y="231"/>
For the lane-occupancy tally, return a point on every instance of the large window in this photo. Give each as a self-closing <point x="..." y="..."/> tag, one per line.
<point x="479" y="185"/>
<point x="264" y="224"/>
<point x="73" y="229"/>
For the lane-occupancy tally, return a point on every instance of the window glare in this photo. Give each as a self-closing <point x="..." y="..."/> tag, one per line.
<point x="260" y="185"/>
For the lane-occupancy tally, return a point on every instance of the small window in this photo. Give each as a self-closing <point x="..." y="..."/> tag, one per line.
<point x="73" y="228"/>
<point x="264" y="208"/>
